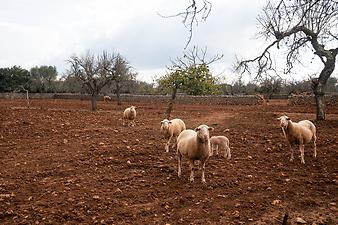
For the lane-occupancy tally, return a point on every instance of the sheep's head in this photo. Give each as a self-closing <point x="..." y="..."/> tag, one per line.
<point x="203" y="132"/>
<point x="165" y="124"/>
<point x="284" y="121"/>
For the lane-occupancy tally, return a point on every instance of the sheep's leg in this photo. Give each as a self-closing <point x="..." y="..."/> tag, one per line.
<point x="191" y="162"/>
<point x="301" y="148"/>
<point x="174" y="143"/>
<point x="228" y="152"/>
<point x="167" y="144"/>
<point x="216" y="149"/>
<point x="291" y="149"/>
<point x="166" y="147"/>
<point x="179" y="156"/>
<point x="211" y="149"/>
<point x="203" y="169"/>
<point x="315" y="146"/>
<point x="225" y="151"/>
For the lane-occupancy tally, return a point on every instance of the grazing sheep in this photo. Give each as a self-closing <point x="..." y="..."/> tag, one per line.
<point x="106" y="98"/>
<point x="195" y="145"/>
<point x="171" y="129"/>
<point x="129" y="116"/>
<point x="220" y="142"/>
<point x="298" y="133"/>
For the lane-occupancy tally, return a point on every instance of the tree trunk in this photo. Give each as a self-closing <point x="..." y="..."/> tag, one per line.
<point x="118" y="96"/>
<point x="27" y="97"/>
<point x="318" y="90"/>
<point x="318" y="86"/>
<point x="171" y="104"/>
<point x="93" y="101"/>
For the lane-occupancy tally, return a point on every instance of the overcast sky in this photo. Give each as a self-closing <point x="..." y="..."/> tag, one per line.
<point x="40" y="32"/>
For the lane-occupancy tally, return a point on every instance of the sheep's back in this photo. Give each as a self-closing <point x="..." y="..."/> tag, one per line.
<point x="308" y="124"/>
<point x="304" y="129"/>
<point x="218" y="139"/>
<point x="177" y="126"/>
<point x="185" y="141"/>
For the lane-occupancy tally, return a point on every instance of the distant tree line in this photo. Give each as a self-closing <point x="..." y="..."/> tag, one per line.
<point x="45" y="79"/>
<point x="274" y="85"/>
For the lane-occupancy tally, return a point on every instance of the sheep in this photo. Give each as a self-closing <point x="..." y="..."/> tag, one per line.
<point x="171" y="129"/>
<point x="195" y="145"/>
<point x="106" y="98"/>
<point x="299" y="133"/>
<point x="129" y="114"/>
<point x="220" y="142"/>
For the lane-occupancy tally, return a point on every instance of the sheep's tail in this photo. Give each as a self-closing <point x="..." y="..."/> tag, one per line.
<point x="284" y="132"/>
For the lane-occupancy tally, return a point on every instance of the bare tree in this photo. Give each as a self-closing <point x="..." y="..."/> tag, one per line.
<point x="90" y="70"/>
<point x="299" y="26"/>
<point x="120" y="72"/>
<point x="197" y="10"/>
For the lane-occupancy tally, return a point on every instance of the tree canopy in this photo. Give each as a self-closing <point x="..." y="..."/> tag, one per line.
<point x="43" y="78"/>
<point x="195" y="80"/>
<point x="12" y="78"/>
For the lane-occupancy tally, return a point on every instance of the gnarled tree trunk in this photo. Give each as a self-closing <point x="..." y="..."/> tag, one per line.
<point x="93" y="101"/>
<point x="171" y="103"/>
<point x="318" y="86"/>
<point x="320" y="100"/>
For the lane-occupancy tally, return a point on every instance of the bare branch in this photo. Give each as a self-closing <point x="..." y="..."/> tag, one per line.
<point x="193" y="57"/>
<point x="197" y="10"/>
<point x="297" y="26"/>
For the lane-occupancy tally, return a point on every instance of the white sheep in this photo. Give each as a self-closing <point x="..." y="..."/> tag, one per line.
<point x="171" y="129"/>
<point x="222" y="143"/>
<point x="129" y="116"/>
<point x="106" y="98"/>
<point x="298" y="133"/>
<point x="195" y="145"/>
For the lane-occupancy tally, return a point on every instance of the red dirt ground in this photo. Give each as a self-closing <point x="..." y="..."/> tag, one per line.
<point x="63" y="164"/>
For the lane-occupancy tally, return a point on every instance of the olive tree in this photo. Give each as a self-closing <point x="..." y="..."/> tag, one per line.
<point x="190" y="74"/>
<point x="43" y="78"/>
<point x="299" y="27"/>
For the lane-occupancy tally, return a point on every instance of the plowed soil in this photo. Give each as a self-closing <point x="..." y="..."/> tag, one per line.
<point x="61" y="163"/>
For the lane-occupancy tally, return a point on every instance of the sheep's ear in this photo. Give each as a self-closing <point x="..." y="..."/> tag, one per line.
<point x="287" y="118"/>
<point x="170" y="122"/>
<point x="279" y="118"/>
<point x="197" y="129"/>
<point x="210" y="128"/>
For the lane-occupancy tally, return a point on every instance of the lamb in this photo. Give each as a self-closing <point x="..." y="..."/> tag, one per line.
<point x="129" y="116"/>
<point x="195" y="145"/>
<point x="171" y="129"/>
<point x="298" y="133"/>
<point x="220" y="142"/>
<point x="106" y="98"/>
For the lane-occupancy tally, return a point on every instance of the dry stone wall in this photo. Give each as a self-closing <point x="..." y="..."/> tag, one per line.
<point x="185" y="99"/>
<point x="330" y="99"/>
